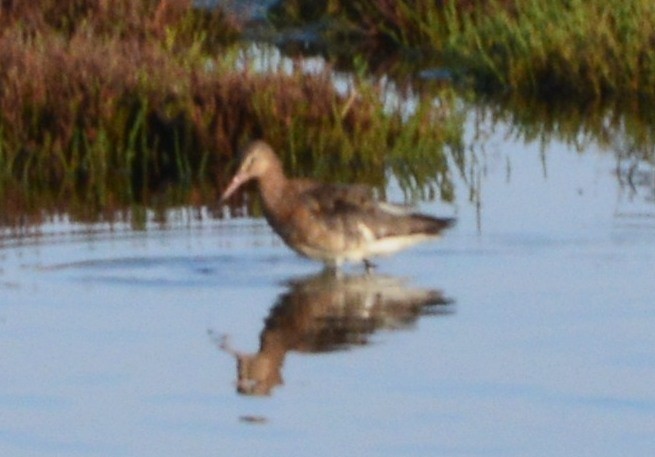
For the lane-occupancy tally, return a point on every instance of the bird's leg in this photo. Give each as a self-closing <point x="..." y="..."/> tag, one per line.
<point x="332" y="269"/>
<point x="370" y="266"/>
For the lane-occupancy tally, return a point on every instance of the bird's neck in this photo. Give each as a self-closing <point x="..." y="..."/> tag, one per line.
<point x="272" y="188"/>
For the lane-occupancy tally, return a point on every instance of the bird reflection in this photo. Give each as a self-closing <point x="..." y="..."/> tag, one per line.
<point x="327" y="313"/>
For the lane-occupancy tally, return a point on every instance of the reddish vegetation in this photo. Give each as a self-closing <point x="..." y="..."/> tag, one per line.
<point x="111" y="100"/>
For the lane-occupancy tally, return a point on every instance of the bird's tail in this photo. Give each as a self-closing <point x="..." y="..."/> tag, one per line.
<point x="429" y="225"/>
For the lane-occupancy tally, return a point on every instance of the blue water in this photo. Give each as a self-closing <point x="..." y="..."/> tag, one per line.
<point x="110" y="339"/>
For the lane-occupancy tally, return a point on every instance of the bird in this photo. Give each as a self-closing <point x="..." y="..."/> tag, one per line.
<point x="330" y="222"/>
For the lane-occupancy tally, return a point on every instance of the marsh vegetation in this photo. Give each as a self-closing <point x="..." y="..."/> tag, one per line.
<point x="111" y="106"/>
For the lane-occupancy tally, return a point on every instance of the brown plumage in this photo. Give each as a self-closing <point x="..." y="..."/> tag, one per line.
<point x="332" y="223"/>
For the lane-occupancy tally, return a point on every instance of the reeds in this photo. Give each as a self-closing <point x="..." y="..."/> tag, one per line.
<point x="574" y="48"/>
<point x="107" y="104"/>
<point x="590" y="49"/>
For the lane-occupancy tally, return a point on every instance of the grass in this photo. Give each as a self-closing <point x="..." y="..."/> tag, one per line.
<point x="588" y="49"/>
<point x="115" y="104"/>
<point x="111" y="107"/>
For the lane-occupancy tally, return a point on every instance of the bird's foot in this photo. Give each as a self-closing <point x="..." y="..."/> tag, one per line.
<point x="332" y="270"/>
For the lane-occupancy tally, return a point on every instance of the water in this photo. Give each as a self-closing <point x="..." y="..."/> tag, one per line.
<point x="116" y="342"/>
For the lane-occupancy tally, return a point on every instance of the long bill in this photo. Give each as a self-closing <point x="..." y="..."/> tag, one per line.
<point x="236" y="182"/>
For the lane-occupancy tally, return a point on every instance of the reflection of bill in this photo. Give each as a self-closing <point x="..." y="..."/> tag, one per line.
<point x="327" y="313"/>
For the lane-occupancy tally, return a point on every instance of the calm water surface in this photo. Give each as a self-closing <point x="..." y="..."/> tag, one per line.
<point x="208" y="337"/>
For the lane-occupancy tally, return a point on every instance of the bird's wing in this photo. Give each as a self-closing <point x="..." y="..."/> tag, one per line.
<point x="354" y="211"/>
<point x="331" y="200"/>
<point x="349" y="213"/>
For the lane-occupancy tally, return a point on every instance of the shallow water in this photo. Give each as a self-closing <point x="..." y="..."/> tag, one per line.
<point x="529" y="330"/>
